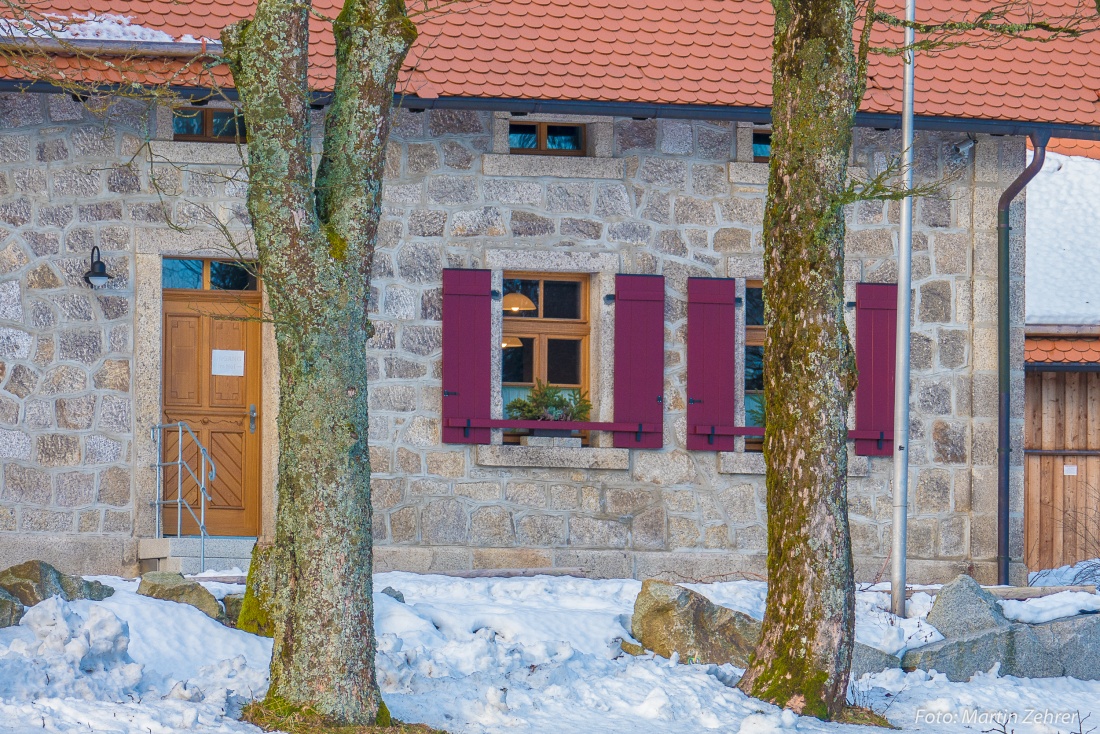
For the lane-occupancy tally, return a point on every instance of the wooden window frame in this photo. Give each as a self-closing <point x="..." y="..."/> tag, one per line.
<point x="206" y="261"/>
<point x="542" y="329"/>
<point x="754" y="337"/>
<point x="541" y="148"/>
<point x="207" y="136"/>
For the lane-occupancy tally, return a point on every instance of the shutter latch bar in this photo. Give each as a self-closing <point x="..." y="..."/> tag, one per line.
<point x="881" y="435"/>
<point x="638" y="435"/>
<point x="466" y="430"/>
<point x="449" y="393"/>
<point x="710" y="438"/>
<point x="693" y="401"/>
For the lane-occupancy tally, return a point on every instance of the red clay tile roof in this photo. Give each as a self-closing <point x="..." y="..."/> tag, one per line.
<point x="684" y="52"/>
<point x="1065" y="146"/>
<point x="1057" y="350"/>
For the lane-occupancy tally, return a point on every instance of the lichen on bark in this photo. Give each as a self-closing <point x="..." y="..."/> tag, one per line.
<point x="804" y="656"/>
<point x="315" y="239"/>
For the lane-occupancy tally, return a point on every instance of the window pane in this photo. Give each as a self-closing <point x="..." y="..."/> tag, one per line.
<point x="563" y="361"/>
<point x="754" y="306"/>
<point x="754" y="409"/>
<point x="187" y="122"/>
<point x="228" y="124"/>
<point x="525" y="301"/>
<point x="231" y="277"/>
<point x="754" y="368"/>
<point x="181" y="274"/>
<point x="761" y="145"/>
<point x="563" y="137"/>
<point x="518" y="363"/>
<point x="563" y="299"/>
<point x="525" y="137"/>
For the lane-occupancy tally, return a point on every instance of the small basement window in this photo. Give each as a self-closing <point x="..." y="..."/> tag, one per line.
<point x="761" y="147"/>
<point x="546" y="138"/>
<point x="208" y="125"/>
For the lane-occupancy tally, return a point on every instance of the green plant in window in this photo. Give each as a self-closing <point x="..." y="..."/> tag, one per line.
<point x="548" y="403"/>
<point x="756" y="412"/>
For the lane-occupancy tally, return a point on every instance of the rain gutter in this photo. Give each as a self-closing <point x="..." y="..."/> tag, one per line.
<point x="1039" y="140"/>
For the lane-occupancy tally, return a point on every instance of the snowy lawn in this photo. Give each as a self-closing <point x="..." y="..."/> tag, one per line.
<point x="484" y="655"/>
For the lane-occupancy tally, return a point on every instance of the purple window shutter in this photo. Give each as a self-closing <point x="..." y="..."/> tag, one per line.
<point x="467" y="352"/>
<point x="711" y="359"/>
<point x="876" y="338"/>
<point x="639" y="358"/>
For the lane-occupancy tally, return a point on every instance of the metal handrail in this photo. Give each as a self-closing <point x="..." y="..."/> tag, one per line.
<point x="200" y="480"/>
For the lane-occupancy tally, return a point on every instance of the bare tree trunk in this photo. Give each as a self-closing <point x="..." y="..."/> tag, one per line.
<point x="805" y="651"/>
<point x="315" y="245"/>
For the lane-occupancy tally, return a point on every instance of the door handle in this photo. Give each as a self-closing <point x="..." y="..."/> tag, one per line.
<point x="251" y="418"/>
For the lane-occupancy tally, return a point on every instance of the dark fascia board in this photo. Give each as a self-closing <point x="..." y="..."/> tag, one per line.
<point x="755" y="115"/>
<point x="1061" y="367"/>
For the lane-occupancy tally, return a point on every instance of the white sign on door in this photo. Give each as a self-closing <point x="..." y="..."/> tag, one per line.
<point x="227" y="362"/>
<point x="1069" y="470"/>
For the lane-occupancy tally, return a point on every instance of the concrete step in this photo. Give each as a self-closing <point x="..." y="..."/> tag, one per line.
<point x="181" y="555"/>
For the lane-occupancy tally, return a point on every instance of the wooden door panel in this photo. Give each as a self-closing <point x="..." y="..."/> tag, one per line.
<point x="183" y="368"/>
<point x="216" y="407"/>
<point x="1061" y="469"/>
<point x="227" y="391"/>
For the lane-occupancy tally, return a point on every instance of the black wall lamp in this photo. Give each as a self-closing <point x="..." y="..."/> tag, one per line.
<point x="97" y="276"/>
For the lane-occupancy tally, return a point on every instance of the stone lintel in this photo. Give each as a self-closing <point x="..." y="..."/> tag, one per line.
<point x="553" y="457"/>
<point x="494" y="164"/>
<point x="553" y="261"/>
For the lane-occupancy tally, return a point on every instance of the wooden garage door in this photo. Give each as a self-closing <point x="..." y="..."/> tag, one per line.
<point x="1062" y="468"/>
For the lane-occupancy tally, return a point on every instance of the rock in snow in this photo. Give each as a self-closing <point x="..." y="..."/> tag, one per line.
<point x="174" y="587"/>
<point x="11" y="609"/>
<point x="671" y="619"/>
<point x="35" y="581"/>
<point x="963" y="608"/>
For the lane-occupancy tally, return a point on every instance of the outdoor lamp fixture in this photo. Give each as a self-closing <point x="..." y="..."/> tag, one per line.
<point x="97" y="276"/>
<point x="510" y="342"/>
<point x="516" y="302"/>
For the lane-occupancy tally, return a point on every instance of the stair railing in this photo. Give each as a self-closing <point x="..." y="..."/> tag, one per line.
<point x="201" y="478"/>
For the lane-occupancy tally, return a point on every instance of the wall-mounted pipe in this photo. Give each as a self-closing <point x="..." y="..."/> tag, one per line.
<point x="1004" y="333"/>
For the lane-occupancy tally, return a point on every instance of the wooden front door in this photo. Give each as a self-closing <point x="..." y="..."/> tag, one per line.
<point x="212" y="381"/>
<point x="1061" y="468"/>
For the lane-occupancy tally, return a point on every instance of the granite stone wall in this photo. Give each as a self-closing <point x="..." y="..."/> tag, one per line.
<point x="81" y="369"/>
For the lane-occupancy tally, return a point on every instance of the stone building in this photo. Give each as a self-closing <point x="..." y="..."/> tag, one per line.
<point x="554" y="195"/>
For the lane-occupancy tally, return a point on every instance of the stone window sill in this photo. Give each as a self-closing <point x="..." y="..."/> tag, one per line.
<point x="753" y="174"/>
<point x="752" y="462"/>
<point x="225" y="154"/>
<point x="553" y="457"/>
<point x="494" y="164"/>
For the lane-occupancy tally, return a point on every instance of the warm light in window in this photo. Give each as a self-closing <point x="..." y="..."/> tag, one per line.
<point x="516" y="302"/>
<point x="511" y="341"/>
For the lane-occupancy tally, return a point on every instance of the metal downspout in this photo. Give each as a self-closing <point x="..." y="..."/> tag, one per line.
<point x="1004" y="333"/>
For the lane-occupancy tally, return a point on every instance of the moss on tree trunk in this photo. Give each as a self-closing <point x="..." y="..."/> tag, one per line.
<point x="315" y="240"/>
<point x="805" y="651"/>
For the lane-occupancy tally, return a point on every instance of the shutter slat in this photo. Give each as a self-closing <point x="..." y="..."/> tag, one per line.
<point x="639" y="357"/>
<point x="467" y="352"/>
<point x="876" y="340"/>
<point x="711" y="362"/>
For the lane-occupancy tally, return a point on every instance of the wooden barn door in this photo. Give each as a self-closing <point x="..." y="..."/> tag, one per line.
<point x="212" y="381"/>
<point x="1062" y="468"/>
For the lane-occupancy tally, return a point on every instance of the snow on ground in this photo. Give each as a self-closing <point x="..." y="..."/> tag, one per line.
<point x="483" y="655"/>
<point x="1063" y="242"/>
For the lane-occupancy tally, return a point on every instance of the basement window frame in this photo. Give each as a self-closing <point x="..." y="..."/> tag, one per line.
<point x="207" y="135"/>
<point x="541" y="133"/>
